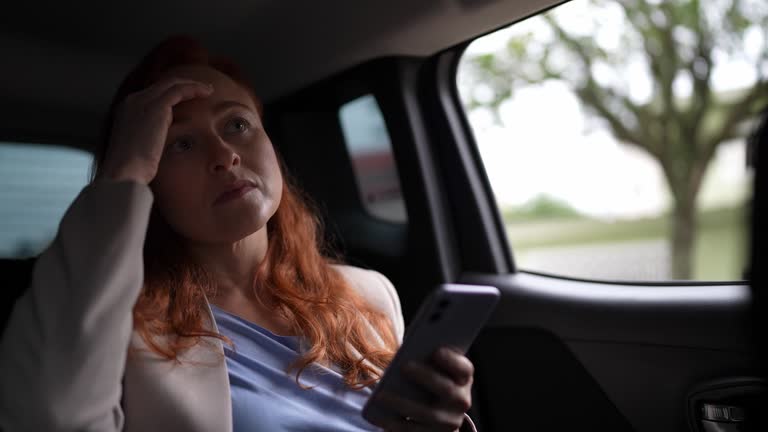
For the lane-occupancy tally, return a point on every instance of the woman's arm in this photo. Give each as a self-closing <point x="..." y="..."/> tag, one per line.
<point x="62" y="354"/>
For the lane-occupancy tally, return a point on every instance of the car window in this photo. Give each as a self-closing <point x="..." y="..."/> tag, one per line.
<point x="370" y="150"/>
<point x="613" y="135"/>
<point x="37" y="185"/>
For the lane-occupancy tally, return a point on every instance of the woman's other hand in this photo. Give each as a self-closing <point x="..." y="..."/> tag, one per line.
<point x="141" y="126"/>
<point x="448" y="378"/>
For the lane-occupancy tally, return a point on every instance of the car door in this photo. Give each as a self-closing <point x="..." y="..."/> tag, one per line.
<point x="562" y="351"/>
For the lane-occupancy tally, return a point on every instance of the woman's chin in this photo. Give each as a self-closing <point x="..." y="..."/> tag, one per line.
<point x="230" y="225"/>
<point x="221" y="235"/>
<point x="239" y="230"/>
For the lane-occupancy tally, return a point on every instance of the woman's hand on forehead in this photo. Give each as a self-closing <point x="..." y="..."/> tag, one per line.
<point x="141" y="125"/>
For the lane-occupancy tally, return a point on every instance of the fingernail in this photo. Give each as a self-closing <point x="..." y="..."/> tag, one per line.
<point x="452" y="350"/>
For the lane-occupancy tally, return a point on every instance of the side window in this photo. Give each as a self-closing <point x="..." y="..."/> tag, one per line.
<point x="613" y="135"/>
<point x="370" y="151"/>
<point x="37" y="185"/>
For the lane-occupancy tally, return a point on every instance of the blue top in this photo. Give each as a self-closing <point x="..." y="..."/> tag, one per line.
<point x="266" y="398"/>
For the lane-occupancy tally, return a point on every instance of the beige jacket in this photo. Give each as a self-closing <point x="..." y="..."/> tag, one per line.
<point x="63" y="355"/>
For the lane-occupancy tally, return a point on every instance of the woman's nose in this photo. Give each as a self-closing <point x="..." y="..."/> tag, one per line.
<point x="222" y="156"/>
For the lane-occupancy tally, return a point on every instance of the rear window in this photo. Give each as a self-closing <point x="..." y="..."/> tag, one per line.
<point x="373" y="162"/>
<point x="37" y="184"/>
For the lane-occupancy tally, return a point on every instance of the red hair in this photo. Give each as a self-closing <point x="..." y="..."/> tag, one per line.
<point x="295" y="275"/>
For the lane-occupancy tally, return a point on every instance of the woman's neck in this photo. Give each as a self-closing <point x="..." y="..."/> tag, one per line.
<point x="232" y="266"/>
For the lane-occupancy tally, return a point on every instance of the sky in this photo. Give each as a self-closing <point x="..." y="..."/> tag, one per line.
<point x="546" y="145"/>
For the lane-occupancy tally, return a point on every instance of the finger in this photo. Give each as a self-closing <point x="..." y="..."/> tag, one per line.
<point x="452" y="396"/>
<point x="182" y="92"/>
<point x="159" y="88"/>
<point x="454" y="364"/>
<point x="434" y="418"/>
<point x="403" y="425"/>
<point x="388" y="419"/>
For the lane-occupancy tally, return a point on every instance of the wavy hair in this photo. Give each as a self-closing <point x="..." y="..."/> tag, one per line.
<point x="296" y="274"/>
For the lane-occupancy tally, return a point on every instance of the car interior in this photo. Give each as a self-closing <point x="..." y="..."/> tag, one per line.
<point x="559" y="353"/>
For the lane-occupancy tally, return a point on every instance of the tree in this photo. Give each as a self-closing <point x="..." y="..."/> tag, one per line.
<point x="542" y="207"/>
<point x="678" y="43"/>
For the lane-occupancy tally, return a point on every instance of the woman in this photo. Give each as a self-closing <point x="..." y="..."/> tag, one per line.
<point x="186" y="289"/>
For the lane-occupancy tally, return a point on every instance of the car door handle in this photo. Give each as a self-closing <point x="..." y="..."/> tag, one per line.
<point x="721" y="418"/>
<point x="727" y="405"/>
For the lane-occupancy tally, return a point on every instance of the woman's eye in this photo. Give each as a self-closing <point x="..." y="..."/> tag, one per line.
<point x="181" y="145"/>
<point x="238" y="125"/>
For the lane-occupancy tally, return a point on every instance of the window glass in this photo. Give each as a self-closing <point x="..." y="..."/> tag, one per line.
<point x="370" y="150"/>
<point x="613" y="135"/>
<point x="37" y="185"/>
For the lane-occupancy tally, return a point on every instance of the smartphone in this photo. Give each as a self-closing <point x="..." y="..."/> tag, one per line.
<point x="452" y="315"/>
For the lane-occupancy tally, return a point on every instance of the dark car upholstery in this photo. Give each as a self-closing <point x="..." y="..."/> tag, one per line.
<point x="16" y="277"/>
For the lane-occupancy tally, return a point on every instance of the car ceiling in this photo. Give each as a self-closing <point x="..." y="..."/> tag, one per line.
<point x="72" y="55"/>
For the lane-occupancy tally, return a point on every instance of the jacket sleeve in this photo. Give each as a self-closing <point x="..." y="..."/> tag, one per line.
<point x="63" y="352"/>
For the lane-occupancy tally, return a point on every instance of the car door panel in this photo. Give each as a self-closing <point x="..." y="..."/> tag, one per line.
<point x="644" y="347"/>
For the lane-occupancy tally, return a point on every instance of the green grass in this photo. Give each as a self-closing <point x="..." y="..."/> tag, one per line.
<point x="720" y="252"/>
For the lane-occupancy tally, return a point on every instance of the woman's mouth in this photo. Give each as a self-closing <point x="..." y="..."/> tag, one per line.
<point x="235" y="191"/>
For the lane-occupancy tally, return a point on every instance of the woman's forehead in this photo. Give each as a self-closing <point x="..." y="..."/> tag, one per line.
<point x="224" y="87"/>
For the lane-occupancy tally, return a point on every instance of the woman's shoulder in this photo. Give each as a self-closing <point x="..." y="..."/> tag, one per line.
<point x="377" y="290"/>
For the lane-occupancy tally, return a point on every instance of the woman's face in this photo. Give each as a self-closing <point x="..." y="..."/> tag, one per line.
<point x="218" y="180"/>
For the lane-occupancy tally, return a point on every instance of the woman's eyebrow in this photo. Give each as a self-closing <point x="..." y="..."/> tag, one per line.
<point x="225" y="105"/>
